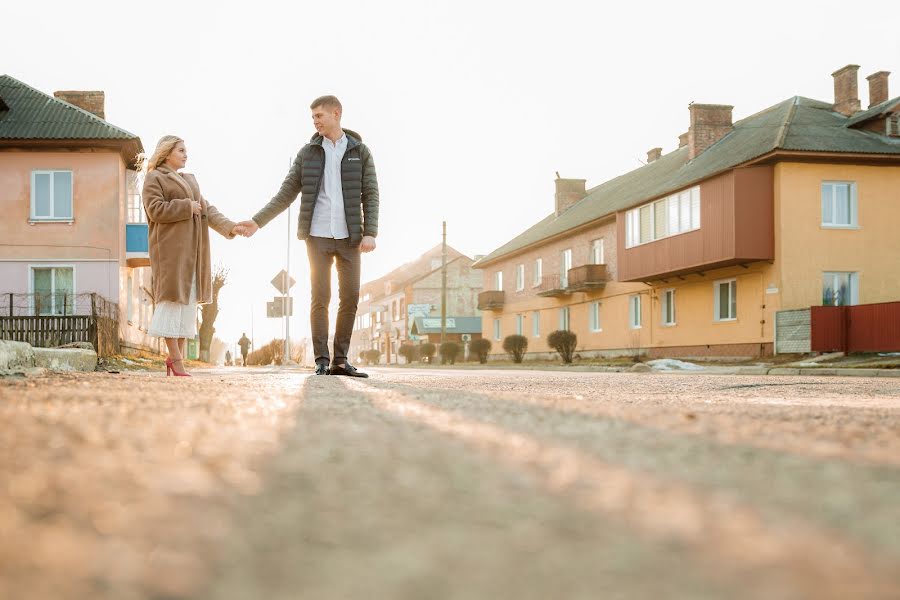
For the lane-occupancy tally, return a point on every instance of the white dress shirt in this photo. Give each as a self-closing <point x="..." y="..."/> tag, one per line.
<point x="329" y="220"/>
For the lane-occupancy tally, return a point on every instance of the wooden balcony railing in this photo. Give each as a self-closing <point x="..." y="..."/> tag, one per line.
<point x="587" y="277"/>
<point x="491" y="300"/>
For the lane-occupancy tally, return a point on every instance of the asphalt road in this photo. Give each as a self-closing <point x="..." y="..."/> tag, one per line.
<point x="440" y="483"/>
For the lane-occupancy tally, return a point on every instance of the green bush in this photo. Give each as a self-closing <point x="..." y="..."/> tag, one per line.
<point x="370" y="356"/>
<point x="563" y="342"/>
<point x="481" y="348"/>
<point x="515" y="346"/>
<point x="427" y="351"/>
<point x="449" y="352"/>
<point x="408" y="351"/>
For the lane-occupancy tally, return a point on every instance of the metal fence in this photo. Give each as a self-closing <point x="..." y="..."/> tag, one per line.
<point x="48" y="320"/>
<point x="860" y="328"/>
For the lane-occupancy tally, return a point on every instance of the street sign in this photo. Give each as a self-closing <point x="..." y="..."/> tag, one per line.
<point x="275" y="309"/>
<point x="282" y="282"/>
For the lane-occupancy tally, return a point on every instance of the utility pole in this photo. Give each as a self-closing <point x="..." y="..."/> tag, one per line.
<point x="444" y="286"/>
<point x="287" y="312"/>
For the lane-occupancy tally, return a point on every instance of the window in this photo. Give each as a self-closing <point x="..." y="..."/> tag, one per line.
<point x="498" y="281"/>
<point x="536" y="323"/>
<point x="564" y="318"/>
<point x="838" y="204"/>
<point x="892" y="125"/>
<point x="51" y="195"/>
<point x="840" y="288"/>
<point x="669" y="216"/>
<point x="520" y="324"/>
<point x="135" y="213"/>
<point x="538" y="271"/>
<point x="726" y="300"/>
<point x="54" y="290"/>
<point x="520" y="277"/>
<point x="597" y="257"/>
<point x="565" y="265"/>
<point x="668" y="307"/>
<point x="594" y="316"/>
<point x="497" y="329"/>
<point x="634" y="311"/>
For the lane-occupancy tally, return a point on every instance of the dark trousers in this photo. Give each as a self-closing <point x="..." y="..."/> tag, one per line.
<point x="323" y="252"/>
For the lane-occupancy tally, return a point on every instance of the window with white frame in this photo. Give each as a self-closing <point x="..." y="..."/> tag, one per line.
<point x="497" y="329"/>
<point x="840" y="288"/>
<point x="594" y="316"/>
<point x="564" y="318"/>
<point x="597" y="257"/>
<point x="565" y="265"/>
<point x="54" y="290"/>
<point x="725" y="300"/>
<point x="634" y="311"/>
<point x="136" y="212"/>
<point x="520" y="324"/>
<point x="538" y="271"/>
<point x="839" y="204"/>
<point x="669" y="216"/>
<point x="668" y="307"/>
<point x="520" y="277"/>
<point x="498" y="281"/>
<point x="51" y="196"/>
<point x="536" y="323"/>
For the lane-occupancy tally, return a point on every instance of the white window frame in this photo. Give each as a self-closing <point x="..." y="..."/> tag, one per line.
<point x="732" y="289"/>
<point x="668" y="301"/>
<point x="497" y="330"/>
<point x="853" y="208"/>
<point x="852" y="280"/>
<point x="520" y="277"/>
<point x="520" y="324"/>
<point x="536" y="323"/>
<point x="31" y="292"/>
<point x="538" y="272"/>
<point x="685" y="204"/>
<point x="597" y="252"/>
<point x="498" y="281"/>
<point x="565" y="264"/>
<point x="34" y="217"/>
<point x="594" y="316"/>
<point x="564" y="318"/>
<point x="634" y="311"/>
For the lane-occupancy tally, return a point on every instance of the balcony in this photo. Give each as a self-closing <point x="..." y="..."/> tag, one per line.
<point x="553" y="286"/>
<point x="137" y="245"/>
<point x="491" y="300"/>
<point x="587" y="277"/>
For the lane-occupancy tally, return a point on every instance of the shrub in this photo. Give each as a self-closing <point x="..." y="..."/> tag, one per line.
<point x="407" y="351"/>
<point x="449" y="352"/>
<point x="427" y="350"/>
<point x="481" y="348"/>
<point x="563" y="342"/>
<point x="370" y="356"/>
<point x="272" y="352"/>
<point x="515" y="346"/>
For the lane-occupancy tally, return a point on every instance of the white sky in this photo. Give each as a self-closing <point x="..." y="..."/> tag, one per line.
<point x="468" y="106"/>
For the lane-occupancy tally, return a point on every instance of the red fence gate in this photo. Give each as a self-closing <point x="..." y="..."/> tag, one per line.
<point x="862" y="328"/>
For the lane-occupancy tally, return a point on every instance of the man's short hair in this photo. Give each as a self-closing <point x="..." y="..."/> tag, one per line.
<point x="327" y="102"/>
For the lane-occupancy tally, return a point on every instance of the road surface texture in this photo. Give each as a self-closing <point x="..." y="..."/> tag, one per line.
<point x="437" y="484"/>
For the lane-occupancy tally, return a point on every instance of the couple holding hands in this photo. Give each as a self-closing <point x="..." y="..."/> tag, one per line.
<point x="333" y="174"/>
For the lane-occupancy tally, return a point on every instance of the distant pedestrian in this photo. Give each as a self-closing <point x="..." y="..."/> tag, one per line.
<point x="244" y="343"/>
<point x="228" y="358"/>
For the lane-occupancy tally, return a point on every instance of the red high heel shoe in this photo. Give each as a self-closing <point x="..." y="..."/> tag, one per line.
<point x="170" y="369"/>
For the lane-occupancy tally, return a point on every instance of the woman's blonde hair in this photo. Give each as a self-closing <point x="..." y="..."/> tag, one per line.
<point x="164" y="148"/>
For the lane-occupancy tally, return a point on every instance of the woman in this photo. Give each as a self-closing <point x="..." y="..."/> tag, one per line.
<point x="179" y="221"/>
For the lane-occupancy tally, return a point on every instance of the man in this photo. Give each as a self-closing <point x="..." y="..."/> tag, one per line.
<point x="335" y="175"/>
<point x="244" y="343"/>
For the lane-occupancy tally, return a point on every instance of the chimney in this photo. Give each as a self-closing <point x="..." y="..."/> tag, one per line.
<point x="568" y="192"/>
<point x="683" y="140"/>
<point x="846" y="92"/>
<point x="92" y="101"/>
<point x="653" y="155"/>
<point x="878" y="87"/>
<point x="709" y="124"/>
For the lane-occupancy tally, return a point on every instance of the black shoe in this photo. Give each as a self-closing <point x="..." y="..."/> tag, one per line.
<point x="346" y="369"/>
<point x="321" y="369"/>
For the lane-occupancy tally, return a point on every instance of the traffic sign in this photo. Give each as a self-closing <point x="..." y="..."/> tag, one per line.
<point x="275" y="309"/>
<point x="283" y="282"/>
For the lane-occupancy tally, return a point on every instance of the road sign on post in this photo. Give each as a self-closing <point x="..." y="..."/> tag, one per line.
<point x="283" y="282"/>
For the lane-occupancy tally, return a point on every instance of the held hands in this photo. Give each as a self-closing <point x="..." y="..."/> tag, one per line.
<point x="245" y="228"/>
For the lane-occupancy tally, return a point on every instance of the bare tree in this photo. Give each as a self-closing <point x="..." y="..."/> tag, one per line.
<point x="210" y="311"/>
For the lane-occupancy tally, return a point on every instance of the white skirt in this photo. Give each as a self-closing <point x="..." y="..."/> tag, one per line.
<point x="174" y="320"/>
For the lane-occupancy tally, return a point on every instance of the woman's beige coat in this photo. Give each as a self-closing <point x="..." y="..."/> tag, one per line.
<point x="179" y="239"/>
